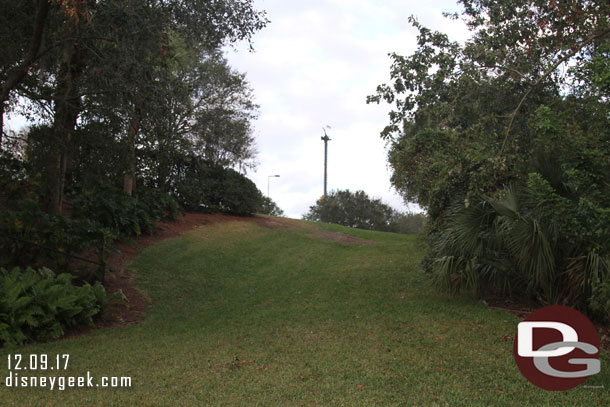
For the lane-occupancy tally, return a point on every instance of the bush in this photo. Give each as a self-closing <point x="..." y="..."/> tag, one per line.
<point x="39" y="305"/>
<point x="520" y="243"/>
<point x="29" y="236"/>
<point x="237" y="194"/>
<point x="408" y="223"/>
<point x="158" y="204"/>
<point x="357" y="210"/>
<point x="200" y="186"/>
<point x="269" y="207"/>
<point x="13" y="175"/>
<point x="599" y="301"/>
<point x="124" y="215"/>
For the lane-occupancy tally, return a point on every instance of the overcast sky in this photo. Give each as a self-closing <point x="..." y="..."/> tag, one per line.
<point x="313" y="66"/>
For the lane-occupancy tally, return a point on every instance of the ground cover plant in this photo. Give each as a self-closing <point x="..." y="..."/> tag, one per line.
<point x="299" y="314"/>
<point x="40" y="305"/>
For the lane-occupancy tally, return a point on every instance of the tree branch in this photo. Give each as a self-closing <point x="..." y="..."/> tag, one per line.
<point x="16" y="75"/>
<point x="546" y="75"/>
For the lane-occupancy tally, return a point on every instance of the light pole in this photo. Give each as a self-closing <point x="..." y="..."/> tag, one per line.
<point x="326" y="139"/>
<point x="268" y="178"/>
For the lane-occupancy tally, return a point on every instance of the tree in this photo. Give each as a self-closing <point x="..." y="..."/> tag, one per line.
<point x="476" y="100"/>
<point x="269" y="207"/>
<point x="106" y="61"/>
<point x="20" y="44"/>
<point x="523" y="105"/>
<point x="210" y="117"/>
<point x="408" y="223"/>
<point x="358" y="210"/>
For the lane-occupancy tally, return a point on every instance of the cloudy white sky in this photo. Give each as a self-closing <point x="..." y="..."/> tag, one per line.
<point x="313" y="66"/>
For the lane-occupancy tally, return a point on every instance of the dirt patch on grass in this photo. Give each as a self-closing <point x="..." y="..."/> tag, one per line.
<point x="341" y="238"/>
<point x="273" y="222"/>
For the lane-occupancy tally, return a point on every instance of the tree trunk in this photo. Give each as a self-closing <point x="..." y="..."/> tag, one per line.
<point x="162" y="174"/>
<point x="129" y="180"/>
<point x="1" y="123"/>
<point x="52" y="174"/>
<point x="67" y="110"/>
<point x="68" y="158"/>
<point x="16" y="75"/>
<point x="66" y="115"/>
<point x="65" y="174"/>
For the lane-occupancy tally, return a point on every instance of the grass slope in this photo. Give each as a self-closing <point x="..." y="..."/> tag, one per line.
<point x="244" y="315"/>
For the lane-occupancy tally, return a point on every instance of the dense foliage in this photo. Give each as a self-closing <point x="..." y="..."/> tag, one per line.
<point x="120" y="213"/>
<point x="358" y="210"/>
<point x="199" y="185"/>
<point x="31" y="237"/>
<point x="123" y="94"/>
<point x="121" y="89"/>
<point x="40" y="305"/>
<point x="269" y="207"/>
<point x="504" y="141"/>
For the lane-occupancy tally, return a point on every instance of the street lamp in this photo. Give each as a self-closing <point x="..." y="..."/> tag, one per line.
<point x="268" y="178"/>
<point x="326" y="139"/>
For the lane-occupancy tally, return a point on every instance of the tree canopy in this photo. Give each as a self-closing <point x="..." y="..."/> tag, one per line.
<point x="358" y="210"/>
<point x="127" y="84"/>
<point x="269" y="207"/>
<point x="136" y="112"/>
<point x="515" y="120"/>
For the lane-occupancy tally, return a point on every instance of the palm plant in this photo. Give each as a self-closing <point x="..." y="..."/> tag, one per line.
<point x="515" y="243"/>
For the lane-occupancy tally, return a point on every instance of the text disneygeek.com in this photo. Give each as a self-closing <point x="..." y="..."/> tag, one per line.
<point x="20" y="365"/>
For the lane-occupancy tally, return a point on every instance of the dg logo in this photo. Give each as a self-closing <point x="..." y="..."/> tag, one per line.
<point x="557" y="348"/>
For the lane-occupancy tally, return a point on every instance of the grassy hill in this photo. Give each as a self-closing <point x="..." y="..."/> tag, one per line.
<point x="290" y="313"/>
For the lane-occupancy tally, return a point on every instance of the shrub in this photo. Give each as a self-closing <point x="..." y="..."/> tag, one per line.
<point x="358" y="210"/>
<point x="124" y="215"/>
<point x="13" y="175"/>
<point x="200" y="186"/>
<point x="29" y="236"/>
<point x="39" y="305"/>
<point x="599" y="301"/>
<point x="111" y="208"/>
<point x="408" y="223"/>
<point x="237" y="194"/>
<point x="269" y="207"/>
<point x="519" y="243"/>
<point x="159" y="205"/>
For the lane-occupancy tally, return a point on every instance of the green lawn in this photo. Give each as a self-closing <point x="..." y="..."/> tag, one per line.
<point x="244" y="315"/>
